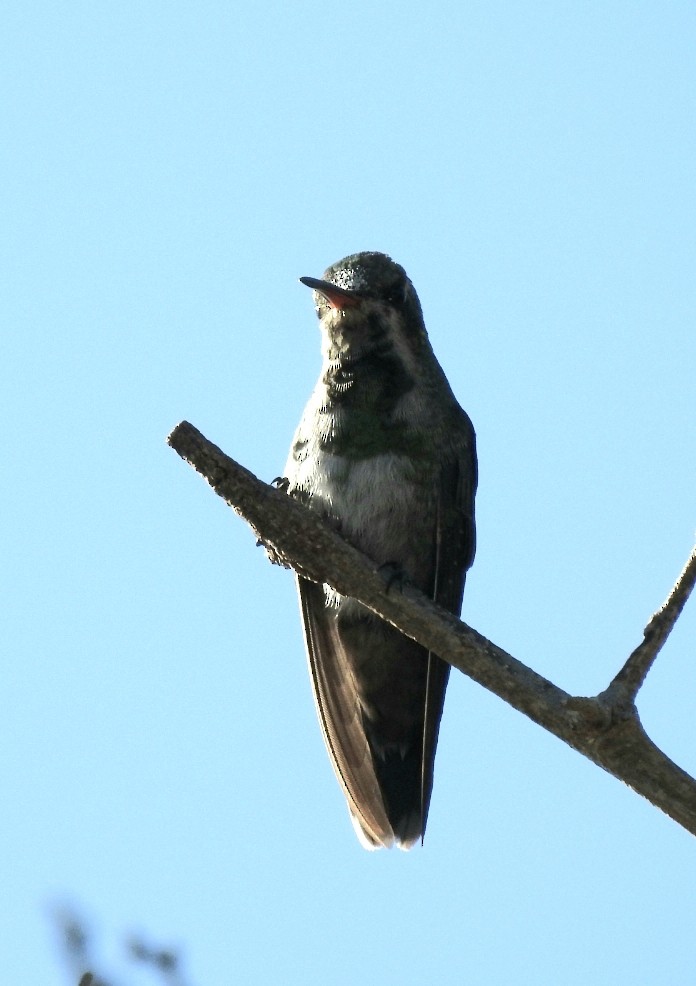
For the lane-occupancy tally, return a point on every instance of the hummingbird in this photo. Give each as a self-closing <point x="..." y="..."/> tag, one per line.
<point x="388" y="457"/>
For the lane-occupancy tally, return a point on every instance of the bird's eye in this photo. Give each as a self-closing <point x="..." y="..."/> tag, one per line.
<point x="397" y="294"/>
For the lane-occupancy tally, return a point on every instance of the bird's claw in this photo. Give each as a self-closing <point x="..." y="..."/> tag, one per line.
<point x="393" y="573"/>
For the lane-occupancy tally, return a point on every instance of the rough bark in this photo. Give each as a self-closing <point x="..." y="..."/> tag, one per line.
<point x="605" y="728"/>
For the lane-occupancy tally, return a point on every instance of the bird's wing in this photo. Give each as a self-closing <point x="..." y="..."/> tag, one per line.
<point x="340" y="717"/>
<point x="455" y="545"/>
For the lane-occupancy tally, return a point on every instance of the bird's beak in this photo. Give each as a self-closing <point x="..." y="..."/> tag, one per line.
<point x="337" y="297"/>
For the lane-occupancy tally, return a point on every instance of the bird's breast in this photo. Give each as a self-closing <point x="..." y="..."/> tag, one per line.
<point x="383" y="505"/>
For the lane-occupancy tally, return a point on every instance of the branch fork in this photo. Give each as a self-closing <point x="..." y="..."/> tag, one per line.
<point x="605" y="728"/>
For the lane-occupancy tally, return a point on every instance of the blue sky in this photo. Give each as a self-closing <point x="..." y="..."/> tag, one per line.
<point x="168" y="172"/>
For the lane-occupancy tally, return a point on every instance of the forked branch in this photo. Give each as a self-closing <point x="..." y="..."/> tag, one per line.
<point x="606" y="728"/>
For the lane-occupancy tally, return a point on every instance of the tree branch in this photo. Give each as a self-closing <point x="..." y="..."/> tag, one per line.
<point x="628" y="681"/>
<point x="606" y="728"/>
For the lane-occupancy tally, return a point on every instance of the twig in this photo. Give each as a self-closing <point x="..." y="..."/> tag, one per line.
<point x="630" y="678"/>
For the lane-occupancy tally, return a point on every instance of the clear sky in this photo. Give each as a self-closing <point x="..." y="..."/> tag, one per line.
<point x="167" y="173"/>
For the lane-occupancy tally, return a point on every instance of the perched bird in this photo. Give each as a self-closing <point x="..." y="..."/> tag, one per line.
<point x="385" y="453"/>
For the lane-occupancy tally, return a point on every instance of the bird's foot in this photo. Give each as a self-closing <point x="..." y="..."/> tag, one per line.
<point x="394" y="573"/>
